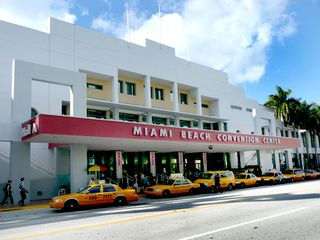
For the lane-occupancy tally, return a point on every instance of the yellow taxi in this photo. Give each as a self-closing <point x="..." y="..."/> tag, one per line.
<point x="247" y="179"/>
<point x="94" y="194"/>
<point x="272" y="177"/>
<point x="206" y="180"/>
<point x="174" y="186"/>
<point x="311" y="174"/>
<point x="295" y="174"/>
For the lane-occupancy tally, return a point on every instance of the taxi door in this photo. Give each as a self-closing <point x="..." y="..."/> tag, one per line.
<point x="109" y="194"/>
<point x="186" y="186"/>
<point x="249" y="180"/>
<point x="92" y="197"/>
<point x="177" y="187"/>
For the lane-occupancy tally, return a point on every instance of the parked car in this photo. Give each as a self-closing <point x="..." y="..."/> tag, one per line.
<point x="295" y="174"/>
<point x="93" y="195"/>
<point x="247" y="179"/>
<point x="272" y="177"/>
<point x="206" y="180"/>
<point x="311" y="174"/>
<point x="177" y="186"/>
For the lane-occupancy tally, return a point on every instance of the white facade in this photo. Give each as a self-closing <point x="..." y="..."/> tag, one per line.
<point x="69" y="50"/>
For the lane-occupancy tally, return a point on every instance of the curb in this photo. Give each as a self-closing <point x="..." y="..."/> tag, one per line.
<point x="18" y="208"/>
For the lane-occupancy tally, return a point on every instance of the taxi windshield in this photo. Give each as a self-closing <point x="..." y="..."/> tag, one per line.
<point x="84" y="190"/>
<point x="241" y="176"/>
<point x="288" y="172"/>
<point x="206" y="175"/>
<point x="270" y="174"/>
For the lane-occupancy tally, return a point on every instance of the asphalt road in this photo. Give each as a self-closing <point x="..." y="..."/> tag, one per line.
<point x="287" y="211"/>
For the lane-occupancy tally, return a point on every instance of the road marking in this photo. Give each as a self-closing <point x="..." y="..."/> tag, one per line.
<point x="242" y="224"/>
<point x="69" y="229"/>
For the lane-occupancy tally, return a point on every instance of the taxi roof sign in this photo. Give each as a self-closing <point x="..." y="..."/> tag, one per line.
<point x="176" y="176"/>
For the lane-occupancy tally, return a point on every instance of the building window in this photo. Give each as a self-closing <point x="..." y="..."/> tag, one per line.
<point x="172" y="122"/>
<point x="236" y="107"/>
<point x="151" y="90"/>
<point x="262" y="131"/>
<point x="110" y="114"/>
<point x="144" y="118"/>
<point x="183" y="98"/>
<point x="159" y="94"/>
<point x="185" y="123"/>
<point x="64" y="110"/>
<point x="215" y="126"/>
<point x="129" y="117"/>
<point x="248" y="109"/>
<point x="120" y="84"/>
<point x="206" y="126"/>
<point x="131" y="88"/>
<point x="195" y="124"/>
<point x="159" y="120"/>
<point x="96" y="113"/>
<point x="225" y="126"/>
<point x="94" y="86"/>
<point x="204" y="105"/>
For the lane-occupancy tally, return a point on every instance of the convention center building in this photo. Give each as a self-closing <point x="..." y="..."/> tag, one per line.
<point x="77" y="103"/>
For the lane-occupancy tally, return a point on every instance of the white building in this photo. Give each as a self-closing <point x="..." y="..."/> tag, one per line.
<point x="158" y="113"/>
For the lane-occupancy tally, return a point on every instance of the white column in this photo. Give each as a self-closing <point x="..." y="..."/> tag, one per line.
<point x="118" y="164"/>
<point x="78" y="98"/>
<point x="199" y="102"/>
<point x="147" y="93"/>
<point x="289" y="160"/>
<point x="316" y="141"/>
<point x="205" y="161"/>
<point x="78" y="167"/>
<point x="116" y="114"/>
<point x="234" y="159"/>
<point x="19" y="167"/>
<point x="115" y="88"/>
<point x="175" y="99"/>
<point x="242" y="159"/>
<point x="277" y="160"/>
<point x="152" y="158"/>
<point x="181" y="163"/>
<point x="149" y="118"/>
<point x="177" y="121"/>
<point x="201" y="124"/>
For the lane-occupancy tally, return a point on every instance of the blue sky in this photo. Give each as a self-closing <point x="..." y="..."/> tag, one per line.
<point x="259" y="43"/>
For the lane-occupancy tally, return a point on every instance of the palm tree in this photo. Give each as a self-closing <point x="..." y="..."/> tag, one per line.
<point x="281" y="102"/>
<point x="315" y="126"/>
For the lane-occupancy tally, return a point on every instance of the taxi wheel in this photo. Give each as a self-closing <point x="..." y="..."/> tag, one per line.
<point x="71" y="205"/>
<point x="230" y="187"/>
<point x="243" y="185"/>
<point x="166" y="193"/>
<point x="120" y="201"/>
<point x="192" y="191"/>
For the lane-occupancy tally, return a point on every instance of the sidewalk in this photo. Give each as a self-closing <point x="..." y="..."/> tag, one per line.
<point x="34" y="204"/>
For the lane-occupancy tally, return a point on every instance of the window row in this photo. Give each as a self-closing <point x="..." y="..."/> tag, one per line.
<point x="130" y="117"/>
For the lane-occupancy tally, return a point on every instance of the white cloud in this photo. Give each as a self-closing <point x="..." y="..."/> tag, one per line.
<point x="230" y="35"/>
<point x="35" y="13"/>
